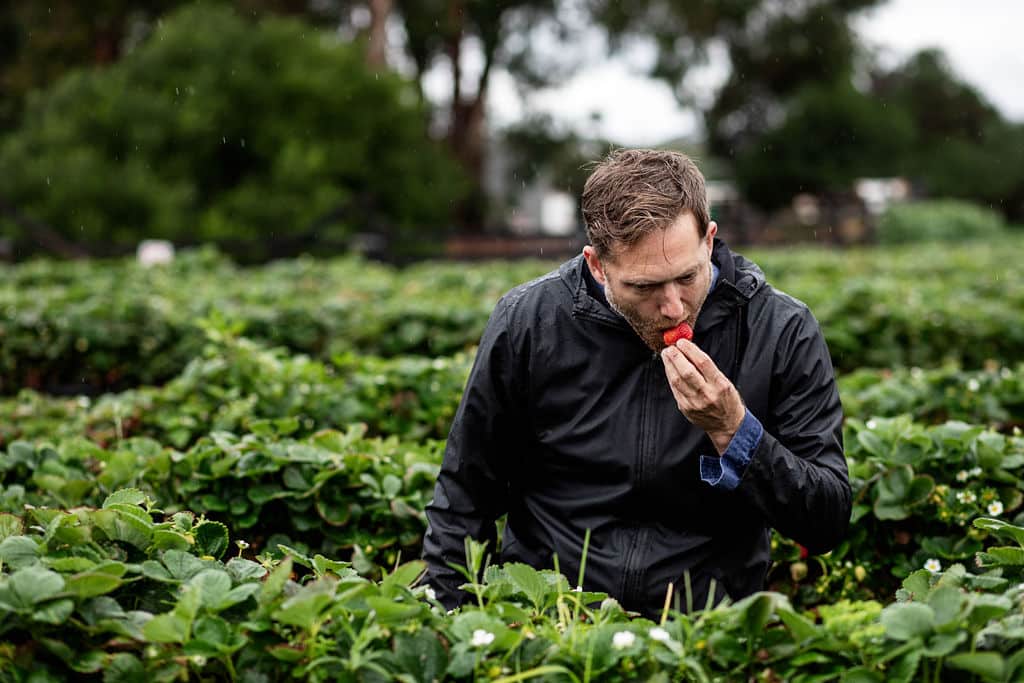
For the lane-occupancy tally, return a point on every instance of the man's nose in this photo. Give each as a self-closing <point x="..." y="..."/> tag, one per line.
<point x="672" y="306"/>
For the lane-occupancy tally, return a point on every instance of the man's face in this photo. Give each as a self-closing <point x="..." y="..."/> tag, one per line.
<point x="661" y="280"/>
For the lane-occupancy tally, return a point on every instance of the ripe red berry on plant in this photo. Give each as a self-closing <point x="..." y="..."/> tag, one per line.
<point x="680" y="331"/>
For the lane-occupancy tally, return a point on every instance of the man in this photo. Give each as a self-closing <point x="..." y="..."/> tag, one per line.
<point x="678" y="460"/>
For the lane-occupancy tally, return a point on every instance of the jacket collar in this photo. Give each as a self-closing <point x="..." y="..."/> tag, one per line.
<point x="738" y="281"/>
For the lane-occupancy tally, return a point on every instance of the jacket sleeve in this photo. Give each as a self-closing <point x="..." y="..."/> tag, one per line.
<point x="472" y="488"/>
<point x="797" y="476"/>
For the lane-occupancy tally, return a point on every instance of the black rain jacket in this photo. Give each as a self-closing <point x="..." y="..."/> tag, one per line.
<point x="568" y="423"/>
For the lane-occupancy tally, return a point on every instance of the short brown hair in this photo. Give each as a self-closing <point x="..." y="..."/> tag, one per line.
<point x="633" y="192"/>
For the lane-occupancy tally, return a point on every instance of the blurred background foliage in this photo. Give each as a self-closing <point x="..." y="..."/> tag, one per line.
<point x="274" y="127"/>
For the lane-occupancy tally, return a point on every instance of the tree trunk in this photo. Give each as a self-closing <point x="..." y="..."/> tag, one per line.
<point x="466" y="128"/>
<point x="377" y="41"/>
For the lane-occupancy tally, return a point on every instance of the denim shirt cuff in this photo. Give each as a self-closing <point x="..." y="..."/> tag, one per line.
<point x="726" y="471"/>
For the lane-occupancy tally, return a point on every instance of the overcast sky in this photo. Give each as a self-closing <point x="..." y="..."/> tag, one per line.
<point x="981" y="39"/>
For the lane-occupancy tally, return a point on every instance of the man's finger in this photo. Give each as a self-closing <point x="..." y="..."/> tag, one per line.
<point x="699" y="360"/>
<point x="682" y="376"/>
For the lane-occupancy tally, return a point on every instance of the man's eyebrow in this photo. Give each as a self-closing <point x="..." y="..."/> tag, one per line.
<point x="641" y="282"/>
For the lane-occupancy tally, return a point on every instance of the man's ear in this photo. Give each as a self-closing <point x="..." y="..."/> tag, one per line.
<point x="710" y="236"/>
<point x="594" y="263"/>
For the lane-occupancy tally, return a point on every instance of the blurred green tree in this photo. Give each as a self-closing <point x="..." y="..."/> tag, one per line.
<point x="962" y="146"/>
<point x="39" y="42"/>
<point x="830" y="135"/>
<point x="269" y="134"/>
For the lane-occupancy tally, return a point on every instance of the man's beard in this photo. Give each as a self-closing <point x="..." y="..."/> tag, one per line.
<point x="650" y="331"/>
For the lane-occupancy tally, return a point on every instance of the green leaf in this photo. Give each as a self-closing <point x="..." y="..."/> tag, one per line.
<point x="421" y="655"/>
<point x="274" y="584"/>
<point x="242" y="570"/>
<point x="322" y="565"/>
<point x="213" y="586"/>
<point x="528" y="581"/>
<point x="403" y="576"/>
<point x="91" y="584"/>
<point x="989" y="665"/>
<point x="55" y="612"/>
<point x="166" y="628"/>
<point x="801" y="628"/>
<point x="755" y="611"/>
<point x="389" y="612"/>
<point x="890" y="511"/>
<point x="30" y="586"/>
<point x="124" y="668"/>
<point x="904" y="621"/>
<point x="293" y="479"/>
<point x="19" y="551"/>
<point x="237" y="595"/>
<point x="303" y="609"/>
<point x="181" y="565"/>
<point x="872" y="443"/>
<point x="119" y="525"/>
<point x="71" y="565"/>
<point x="894" y="484"/>
<point x="214" y="631"/>
<point x="947" y="602"/>
<point x="126" y="497"/>
<point x="918" y="584"/>
<point x="392" y="485"/>
<point x="168" y="539"/>
<point x="211" y="539"/>
<point x="904" y="669"/>
<point x="9" y="526"/>
<point x="984" y="607"/>
<point x="942" y="644"/>
<point x="920" y="488"/>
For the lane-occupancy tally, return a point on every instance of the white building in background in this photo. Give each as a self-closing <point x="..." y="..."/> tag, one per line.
<point x="154" y="252"/>
<point x="879" y="193"/>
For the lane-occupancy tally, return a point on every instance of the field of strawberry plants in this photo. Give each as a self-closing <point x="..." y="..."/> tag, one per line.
<point x="210" y="472"/>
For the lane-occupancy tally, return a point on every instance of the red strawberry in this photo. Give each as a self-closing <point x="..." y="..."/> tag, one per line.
<point x="681" y="331"/>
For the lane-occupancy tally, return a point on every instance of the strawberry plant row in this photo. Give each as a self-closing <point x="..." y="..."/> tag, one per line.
<point x="916" y="488"/>
<point x="83" y="328"/>
<point x="236" y="381"/>
<point x="337" y="493"/>
<point x="127" y="592"/>
<point x="993" y="396"/>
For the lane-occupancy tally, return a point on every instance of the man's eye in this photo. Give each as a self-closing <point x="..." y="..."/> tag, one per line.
<point x="685" y="280"/>
<point x="642" y="288"/>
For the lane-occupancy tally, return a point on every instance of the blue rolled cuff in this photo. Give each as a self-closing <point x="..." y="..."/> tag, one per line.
<point x="726" y="471"/>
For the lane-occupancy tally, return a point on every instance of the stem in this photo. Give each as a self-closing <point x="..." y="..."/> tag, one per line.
<point x="583" y="558"/>
<point x="539" y="671"/>
<point x="229" y="665"/>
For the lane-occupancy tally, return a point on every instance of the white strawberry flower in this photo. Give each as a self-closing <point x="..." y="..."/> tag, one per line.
<point x="995" y="508"/>
<point x="659" y="634"/>
<point x="623" y="639"/>
<point x="973" y="384"/>
<point x="966" y="497"/>
<point x="481" y="638"/>
<point x="933" y="565"/>
<point x="962" y="475"/>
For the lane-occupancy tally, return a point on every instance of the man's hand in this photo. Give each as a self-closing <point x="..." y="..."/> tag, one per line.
<point x="704" y="395"/>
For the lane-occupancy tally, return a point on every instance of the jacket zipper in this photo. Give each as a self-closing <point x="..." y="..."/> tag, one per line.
<point x="633" y="566"/>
